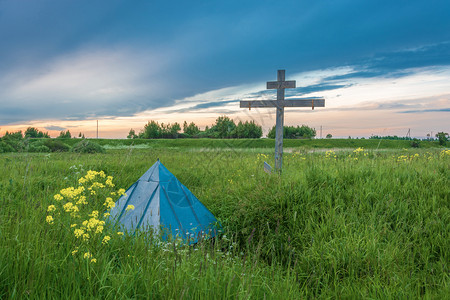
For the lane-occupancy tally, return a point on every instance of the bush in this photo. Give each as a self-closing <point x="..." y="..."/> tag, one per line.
<point x="38" y="147"/>
<point x="5" y="147"/>
<point x="443" y="138"/>
<point x="86" y="146"/>
<point x="56" y="146"/>
<point x="415" y="143"/>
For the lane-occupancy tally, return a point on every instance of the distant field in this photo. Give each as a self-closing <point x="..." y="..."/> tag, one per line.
<point x="355" y="223"/>
<point x="256" y="143"/>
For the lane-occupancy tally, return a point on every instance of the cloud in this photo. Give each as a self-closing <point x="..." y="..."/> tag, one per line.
<point x="424" y="111"/>
<point x="53" y="127"/>
<point x="82" y="85"/>
<point x="67" y="63"/>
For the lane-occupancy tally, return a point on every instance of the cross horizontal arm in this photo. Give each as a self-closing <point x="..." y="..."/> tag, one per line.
<point x="308" y="102"/>
<point x="290" y="84"/>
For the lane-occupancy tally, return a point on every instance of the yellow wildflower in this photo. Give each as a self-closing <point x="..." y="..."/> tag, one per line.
<point x="94" y="260"/>
<point x="58" y="197"/>
<point x="51" y="208"/>
<point x="109" y="181"/>
<point x="94" y="214"/>
<point x="121" y="192"/>
<point x="78" y="233"/>
<point x="119" y="233"/>
<point x="85" y="236"/>
<point x="109" y="203"/>
<point x="87" y="255"/>
<point x="75" y="251"/>
<point x="49" y="219"/>
<point x="81" y="200"/>
<point x="69" y="207"/>
<point x="107" y="214"/>
<point x="106" y="239"/>
<point x="130" y="207"/>
<point x="97" y="185"/>
<point x="73" y="225"/>
<point x="91" y="175"/>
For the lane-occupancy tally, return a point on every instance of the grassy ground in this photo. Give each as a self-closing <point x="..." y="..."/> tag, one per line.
<point x="364" y="224"/>
<point x="253" y="143"/>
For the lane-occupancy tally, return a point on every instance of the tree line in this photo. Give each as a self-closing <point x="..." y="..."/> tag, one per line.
<point x="34" y="133"/>
<point x="223" y="128"/>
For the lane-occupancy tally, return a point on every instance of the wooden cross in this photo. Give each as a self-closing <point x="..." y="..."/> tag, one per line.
<point x="280" y="104"/>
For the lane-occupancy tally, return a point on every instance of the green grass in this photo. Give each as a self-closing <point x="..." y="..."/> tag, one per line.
<point x="330" y="227"/>
<point x="252" y="143"/>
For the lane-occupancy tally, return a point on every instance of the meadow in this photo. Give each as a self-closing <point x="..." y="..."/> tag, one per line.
<point x="358" y="222"/>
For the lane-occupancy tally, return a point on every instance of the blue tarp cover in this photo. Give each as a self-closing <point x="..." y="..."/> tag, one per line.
<point x="162" y="203"/>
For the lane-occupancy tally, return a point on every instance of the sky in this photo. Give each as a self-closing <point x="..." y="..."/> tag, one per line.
<point x="383" y="67"/>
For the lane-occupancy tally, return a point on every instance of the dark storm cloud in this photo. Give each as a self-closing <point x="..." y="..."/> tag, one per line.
<point x="167" y="51"/>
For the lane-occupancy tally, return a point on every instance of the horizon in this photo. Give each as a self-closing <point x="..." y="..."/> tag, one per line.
<point x="382" y="67"/>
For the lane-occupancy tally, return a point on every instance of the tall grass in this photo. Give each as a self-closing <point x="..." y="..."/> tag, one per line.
<point x="346" y="224"/>
<point x="209" y="143"/>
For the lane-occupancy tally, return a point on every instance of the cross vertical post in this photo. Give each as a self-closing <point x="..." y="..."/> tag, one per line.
<point x="280" y="104"/>
<point x="279" y="123"/>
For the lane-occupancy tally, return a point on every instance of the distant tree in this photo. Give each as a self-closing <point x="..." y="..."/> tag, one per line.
<point x="247" y="130"/>
<point x="33" y="132"/>
<point x="190" y="129"/>
<point x="442" y="137"/>
<point x="154" y="130"/>
<point x="79" y="135"/>
<point x="132" y="134"/>
<point x="151" y="130"/>
<point x="64" y="135"/>
<point x="13" y="135"/>
<point x="174" y="130"/>
<point x="329" y="136"/>
<point x="223" y="127"/>
<point x="291" y="132"/>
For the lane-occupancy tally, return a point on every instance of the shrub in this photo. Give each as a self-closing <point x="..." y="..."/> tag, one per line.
<point x="56" y="146"/>
<point x="443" y="138"/>
<point x="5" y="147"/>
<point x="86" y="146"/>
<point x="415" y="143"/>
<point x="38" y="147"/>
